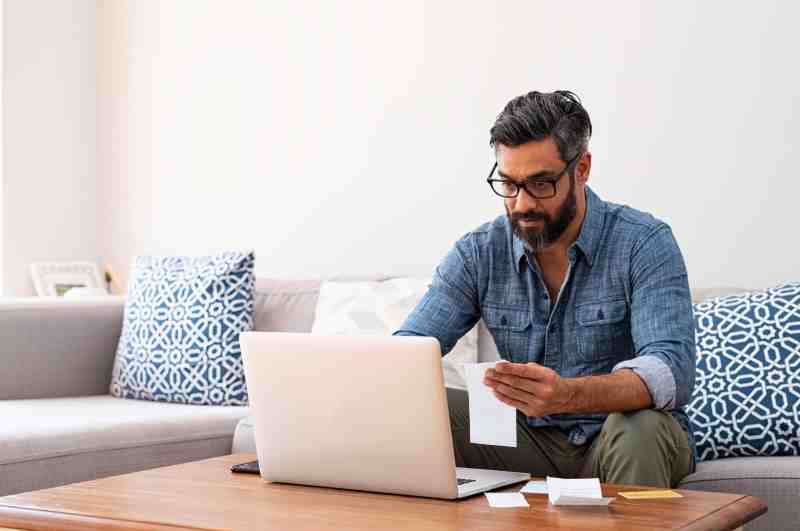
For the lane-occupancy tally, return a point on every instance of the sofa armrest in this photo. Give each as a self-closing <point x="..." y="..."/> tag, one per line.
<point x="53" y="347"/>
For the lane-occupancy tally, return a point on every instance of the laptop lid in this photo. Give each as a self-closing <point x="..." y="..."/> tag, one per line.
<point x="355" y="412"/>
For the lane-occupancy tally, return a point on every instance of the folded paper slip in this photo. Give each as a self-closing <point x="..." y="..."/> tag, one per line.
<point x="535" y="487"/>
<point x="575" y="492"/>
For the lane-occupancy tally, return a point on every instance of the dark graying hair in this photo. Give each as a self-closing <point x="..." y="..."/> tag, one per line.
<point x="538" y="115"/>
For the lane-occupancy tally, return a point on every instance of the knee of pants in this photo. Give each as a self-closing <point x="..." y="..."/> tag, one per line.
<point x="636" y="431"/>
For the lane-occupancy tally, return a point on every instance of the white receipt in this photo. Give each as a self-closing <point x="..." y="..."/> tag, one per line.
<point x="575" y="492"/>
<point x="535" y="487"/>
<point x="506" y="499"/>
<point x="490" y="421"/>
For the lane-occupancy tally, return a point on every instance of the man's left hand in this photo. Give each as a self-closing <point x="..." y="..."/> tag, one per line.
<point x="531" y="388"/>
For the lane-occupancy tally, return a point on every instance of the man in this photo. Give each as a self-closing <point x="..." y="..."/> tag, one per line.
<point x="588" y="303"/>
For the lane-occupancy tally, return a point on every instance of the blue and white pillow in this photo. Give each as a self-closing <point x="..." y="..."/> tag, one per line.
<point x="746" y="400"/>
<point x="180" y="333"/>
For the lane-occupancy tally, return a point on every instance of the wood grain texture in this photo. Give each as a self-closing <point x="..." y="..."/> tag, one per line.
<point x="206" y="495"/>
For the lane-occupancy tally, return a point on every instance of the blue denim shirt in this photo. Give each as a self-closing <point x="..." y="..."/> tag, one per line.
<point x="625" y="303"/>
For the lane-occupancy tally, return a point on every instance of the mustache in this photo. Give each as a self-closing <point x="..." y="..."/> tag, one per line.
<point x="530" y="216"/>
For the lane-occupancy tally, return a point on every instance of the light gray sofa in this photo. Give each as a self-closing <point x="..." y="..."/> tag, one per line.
<point x="60" y="425"/>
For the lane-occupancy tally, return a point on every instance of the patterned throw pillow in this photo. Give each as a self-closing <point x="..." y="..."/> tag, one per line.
<point x="379" y="308"/>
<point x="180" y="332"/>
<point x="746" y="400"/>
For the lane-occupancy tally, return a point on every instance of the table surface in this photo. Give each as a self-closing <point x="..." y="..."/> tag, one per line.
<point x="206" y="495"/>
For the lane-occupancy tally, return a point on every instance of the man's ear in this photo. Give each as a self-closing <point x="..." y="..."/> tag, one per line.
<point x="583" y="168"/>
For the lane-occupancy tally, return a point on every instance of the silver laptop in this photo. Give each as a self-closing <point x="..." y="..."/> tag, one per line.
<point x="356" y="412"/>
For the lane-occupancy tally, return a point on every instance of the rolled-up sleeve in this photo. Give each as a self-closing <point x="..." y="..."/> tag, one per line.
<point x="662" y="323"/>
<point x="449" y="309"/>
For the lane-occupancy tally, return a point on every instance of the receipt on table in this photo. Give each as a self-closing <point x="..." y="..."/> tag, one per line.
<point x="506" y="499"/>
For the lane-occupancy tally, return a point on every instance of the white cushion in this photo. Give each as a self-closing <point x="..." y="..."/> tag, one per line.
<point x="379" y="308"/>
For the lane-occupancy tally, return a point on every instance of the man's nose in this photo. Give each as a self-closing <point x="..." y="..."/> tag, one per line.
<point x="525" y="202"/>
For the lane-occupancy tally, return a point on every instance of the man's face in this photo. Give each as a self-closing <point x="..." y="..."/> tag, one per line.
<point x="537" y="222"/>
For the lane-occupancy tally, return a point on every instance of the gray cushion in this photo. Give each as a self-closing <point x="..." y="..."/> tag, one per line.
<point x="52" y="347"/>
<point x="701" y="294"/>
<point x="285" y="305"/>
<point x="53" y="441"/>
<point x="775" y="480"/>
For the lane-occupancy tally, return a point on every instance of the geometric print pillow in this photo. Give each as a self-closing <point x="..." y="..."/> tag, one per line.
<point x="746" y="400"/>
<point x="180" y="331"/>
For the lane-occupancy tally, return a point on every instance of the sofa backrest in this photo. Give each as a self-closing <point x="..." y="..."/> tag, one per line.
<point x="54" y="347"/>
<point x="285" y="305"/>
<point x="65" y="347"/>
<point x="289" y="306"/>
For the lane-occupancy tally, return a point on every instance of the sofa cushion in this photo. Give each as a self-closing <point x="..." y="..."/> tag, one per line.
<point x="775" y="480"/>
<point x="745" y="401"/>
<point x="180" y="332"/>
<point x="52" y="441"/>
<point x="771" y="469"/>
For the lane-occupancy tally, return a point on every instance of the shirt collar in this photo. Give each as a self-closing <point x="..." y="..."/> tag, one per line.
<point x="588" y="238"/>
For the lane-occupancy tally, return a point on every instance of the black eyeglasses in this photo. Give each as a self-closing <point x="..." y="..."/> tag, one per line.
<point x="540" y="189"/>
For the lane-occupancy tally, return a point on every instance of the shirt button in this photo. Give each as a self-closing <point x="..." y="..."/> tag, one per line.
<point x="503" y="320"/>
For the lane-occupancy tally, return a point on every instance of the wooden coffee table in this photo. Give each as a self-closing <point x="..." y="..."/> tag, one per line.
<point x="206" y="495"/>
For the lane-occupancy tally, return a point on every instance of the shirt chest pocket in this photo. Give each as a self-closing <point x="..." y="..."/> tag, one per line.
<point x="603" y="330"/>
<point x="511" y="330"/>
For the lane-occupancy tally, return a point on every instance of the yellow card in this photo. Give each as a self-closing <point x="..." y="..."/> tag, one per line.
<point x="650" y="494"/>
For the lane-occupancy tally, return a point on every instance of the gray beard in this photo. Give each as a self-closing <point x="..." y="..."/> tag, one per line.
<point x="533" y="242"/>
<point x="552" y="229"/>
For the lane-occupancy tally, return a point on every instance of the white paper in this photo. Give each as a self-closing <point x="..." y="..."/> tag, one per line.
<point x="506" y="499"/>
<point x="490" y="421"/>
<point x="575" y="492"/>
<point x="535" y="487"/>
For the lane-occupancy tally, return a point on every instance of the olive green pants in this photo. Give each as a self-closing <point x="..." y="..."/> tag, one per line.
<point x="645" y="447"/>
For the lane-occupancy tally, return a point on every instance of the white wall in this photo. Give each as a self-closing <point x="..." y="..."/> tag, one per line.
<point x="351" y="137"/>
<point x="49" y="200"/>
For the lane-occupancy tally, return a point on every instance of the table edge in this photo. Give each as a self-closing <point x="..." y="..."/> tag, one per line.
<point x="738" y="513"/>
<point x="740" y="510"/>
<point x="43" y="519"/>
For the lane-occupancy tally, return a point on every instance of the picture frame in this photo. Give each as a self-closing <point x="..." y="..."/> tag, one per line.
<point x="55" y="279"/>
